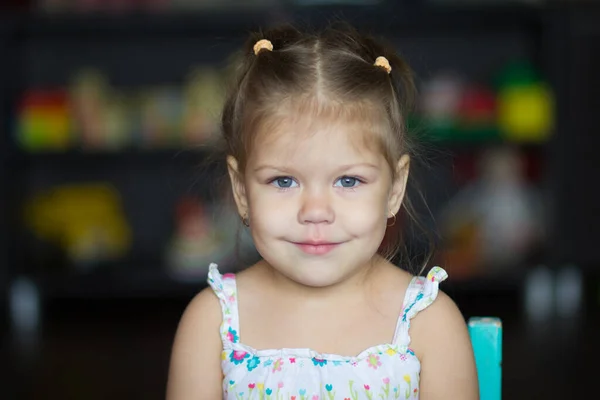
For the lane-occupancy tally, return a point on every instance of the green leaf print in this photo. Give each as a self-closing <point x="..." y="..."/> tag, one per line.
<point x="368" y="392"/>
<point x="353" y="392"/>
<point x="386" y="389"/>
<point x="397" y="392"/>
<point x="408" y="389"/>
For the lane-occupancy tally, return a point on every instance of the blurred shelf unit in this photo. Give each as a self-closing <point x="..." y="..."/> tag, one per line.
<point x="391" y="17"/>
<point x="147" y="51"/>
<point x="187" y="159"/>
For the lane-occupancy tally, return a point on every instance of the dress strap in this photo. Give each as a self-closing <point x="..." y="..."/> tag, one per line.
<point x="225" y="288"/>
<point x="421" y="292"/>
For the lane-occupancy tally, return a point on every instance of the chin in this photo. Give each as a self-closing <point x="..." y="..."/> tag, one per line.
<point x="318" y="275"/>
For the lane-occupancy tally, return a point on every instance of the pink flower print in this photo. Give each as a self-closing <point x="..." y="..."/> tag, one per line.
<point x="228" y="276"/>
<point x="280" y="385"/>
<point x="238" y="357"/>
<point x="367" y="387"/>
<point x="277" y="365"/>
<point x="315" y="397"/>
<point x="232" y="335"/>
<point x="231" y="299"/>
<point x="386" y="387"/>
<point x="251" y="385"/>
<point x="373" y="361"/>
<point x="403" y="356"/>
<point x="292" y="360"/>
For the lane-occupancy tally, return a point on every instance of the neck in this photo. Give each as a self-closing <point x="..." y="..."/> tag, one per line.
<point x="349" y="287"/>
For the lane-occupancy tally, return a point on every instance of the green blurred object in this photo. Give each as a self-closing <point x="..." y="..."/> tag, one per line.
<point x="516" y="73"/>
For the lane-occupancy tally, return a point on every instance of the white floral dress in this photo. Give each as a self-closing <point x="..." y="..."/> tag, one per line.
<point x="385" y="371"/>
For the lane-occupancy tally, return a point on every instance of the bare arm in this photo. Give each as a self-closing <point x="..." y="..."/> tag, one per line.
<point x="447" y="363"/>
<point x="195" y="368"/>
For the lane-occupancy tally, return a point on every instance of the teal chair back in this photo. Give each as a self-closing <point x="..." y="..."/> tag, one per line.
<point x="486" y="338"/>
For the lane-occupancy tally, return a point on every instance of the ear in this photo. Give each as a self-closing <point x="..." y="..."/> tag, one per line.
<point x="399" y="185"/>
<point x="237" y="186"/>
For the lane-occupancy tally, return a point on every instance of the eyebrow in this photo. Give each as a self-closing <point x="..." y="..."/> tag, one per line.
<point x="341" y="168"/>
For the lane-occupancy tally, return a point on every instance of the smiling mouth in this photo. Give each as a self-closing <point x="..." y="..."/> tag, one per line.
<point x="316" y="248"/>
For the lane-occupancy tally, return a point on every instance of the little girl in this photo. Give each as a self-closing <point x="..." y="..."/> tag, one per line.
<point x="318" y="159"/>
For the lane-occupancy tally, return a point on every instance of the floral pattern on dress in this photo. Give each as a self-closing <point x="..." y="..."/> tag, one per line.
<point x="386" y="371"/>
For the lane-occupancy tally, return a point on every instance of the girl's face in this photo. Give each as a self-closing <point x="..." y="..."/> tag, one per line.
<point x="317" y="198"/>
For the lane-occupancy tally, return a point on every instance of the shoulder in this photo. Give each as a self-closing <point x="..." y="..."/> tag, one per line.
<point x="203" y="309"/>
<point x="441" y="340"/>
<point x="440" y="321"/>
<point x="442" y="313"/>
<point x="195" y="366"/>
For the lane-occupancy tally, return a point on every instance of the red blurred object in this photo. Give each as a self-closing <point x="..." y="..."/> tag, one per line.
<point x="478" y="105"/>
<point x="39" y="98"/>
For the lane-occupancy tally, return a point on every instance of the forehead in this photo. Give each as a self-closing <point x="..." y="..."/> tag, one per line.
<point x="300" y="130"/>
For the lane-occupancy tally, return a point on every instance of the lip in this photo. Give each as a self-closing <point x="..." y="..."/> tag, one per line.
<point x="316" y="248"/>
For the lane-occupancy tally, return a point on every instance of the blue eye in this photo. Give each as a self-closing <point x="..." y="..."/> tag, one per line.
<point x="348" y="182"/>
<point x="284" y="182"/>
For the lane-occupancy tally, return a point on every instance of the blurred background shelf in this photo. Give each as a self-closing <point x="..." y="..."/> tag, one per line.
<point x="141" y="58"/>
<point x="138" y="55"/>
<point x="133" y="279"/>
<point x="187" y="159"/>
<point x="392" y="16"/>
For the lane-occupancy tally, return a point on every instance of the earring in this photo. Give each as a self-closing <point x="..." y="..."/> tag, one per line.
<point x="246" y="221"/>
<point x="393" y="220"/>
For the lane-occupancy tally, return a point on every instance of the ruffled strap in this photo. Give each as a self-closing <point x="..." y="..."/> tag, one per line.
<point x="225" y="288"/>
<point x="421" y="292"/>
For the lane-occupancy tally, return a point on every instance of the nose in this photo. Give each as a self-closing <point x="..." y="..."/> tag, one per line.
<point x="316" y="208"/>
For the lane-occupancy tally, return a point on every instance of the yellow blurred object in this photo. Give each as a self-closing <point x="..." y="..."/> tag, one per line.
<point x="526" y="112"/>
<point x="86" y="221"/>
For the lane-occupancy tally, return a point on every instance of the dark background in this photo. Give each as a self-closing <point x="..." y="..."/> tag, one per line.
<point x="106" y="332"/>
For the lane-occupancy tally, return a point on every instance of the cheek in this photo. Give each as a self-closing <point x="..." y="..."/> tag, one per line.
<point x="368" y="216"/>
<point x="365" y="219"/>
<point x="267" y="212"/>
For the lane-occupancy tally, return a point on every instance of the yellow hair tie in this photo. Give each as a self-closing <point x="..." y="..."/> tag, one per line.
<point x="261" y="45"/>
<point x="383" y="63"/>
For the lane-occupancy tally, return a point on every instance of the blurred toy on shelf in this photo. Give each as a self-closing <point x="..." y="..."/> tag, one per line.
<point x="204" y="234"/>
<point x="161" y="113"/>
<point x="439" y="104"/>
<point x="43" y="122"/>
<point x="90" y="91"/>
<point x="525" y="104"/>
<point x="93" y="115"/>
<point x="516" y="108"/>
<point x="494" y="222"/>
<point x="203" y="98"/>
<point x="86" y="222"/>
<point x="455" y="109"/>
<point x="477" y="114"/>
